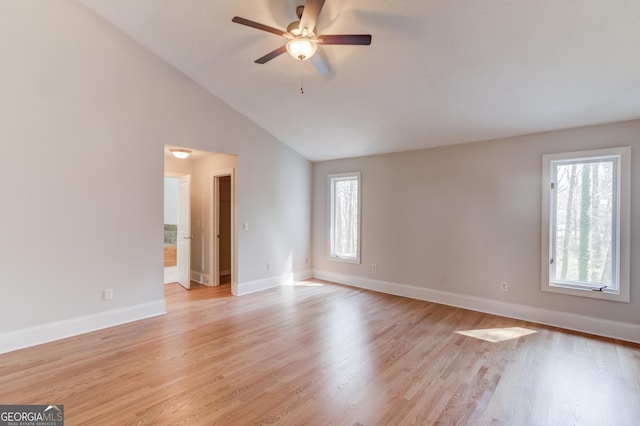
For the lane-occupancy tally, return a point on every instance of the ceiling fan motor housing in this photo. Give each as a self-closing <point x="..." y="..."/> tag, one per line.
<point x="294" y="28"/>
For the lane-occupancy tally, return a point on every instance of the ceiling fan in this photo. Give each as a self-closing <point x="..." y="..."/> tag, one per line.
<point x="303" y="39"/>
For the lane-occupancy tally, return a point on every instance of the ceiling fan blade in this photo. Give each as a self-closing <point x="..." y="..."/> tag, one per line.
<point x="319" y="62"/>
<point x="310" y="14"/>
<point x="258" y="26"/>
<point x="359" y="39"/>
<point x="269" y="56"/>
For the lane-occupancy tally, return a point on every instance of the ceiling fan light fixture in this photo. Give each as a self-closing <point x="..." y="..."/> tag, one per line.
<point x="301" y="48"/>
<point x="180" y="153"/>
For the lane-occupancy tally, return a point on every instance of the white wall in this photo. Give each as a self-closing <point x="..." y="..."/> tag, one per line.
<point x="170" y="201"/>
<point x="470" y="213"/>
<point x="76" y="95"/>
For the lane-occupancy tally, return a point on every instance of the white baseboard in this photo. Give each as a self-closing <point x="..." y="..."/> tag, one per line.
<point x="271" y="282"/>
<point x="170" y="277"/>
<point x="257" y="285"/>
<point x="600" y="327"/>
<point x="307" y="274"/>
<point x="201" y="277"/>
<point x="225" y="272"/>
<point x="31" y="336"/>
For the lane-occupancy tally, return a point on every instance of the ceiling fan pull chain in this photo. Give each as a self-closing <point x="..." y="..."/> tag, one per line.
<point x="302" y="77"/>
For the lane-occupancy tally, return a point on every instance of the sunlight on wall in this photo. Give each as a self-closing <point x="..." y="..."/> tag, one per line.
<point x="495" y="335"/>
<point x="288" y="277"/>
<point x="287" y="271"/>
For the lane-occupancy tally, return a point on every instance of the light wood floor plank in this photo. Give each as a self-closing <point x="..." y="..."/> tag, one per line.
<point x="325" y="354"/>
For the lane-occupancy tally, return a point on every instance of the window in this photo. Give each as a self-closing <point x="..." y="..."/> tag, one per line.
<point x="586" y="223"/>
<point x="344" y="226"/>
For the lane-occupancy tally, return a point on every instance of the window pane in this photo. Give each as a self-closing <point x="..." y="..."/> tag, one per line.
<point x="345" y="218"/>
<point x="583" y="237"/>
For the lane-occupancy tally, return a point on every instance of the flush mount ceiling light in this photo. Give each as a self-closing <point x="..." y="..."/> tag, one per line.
<point x="180" y="153"/>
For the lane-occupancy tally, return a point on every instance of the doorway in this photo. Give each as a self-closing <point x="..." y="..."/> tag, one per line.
<point x="212" y="235"/>
<point x="224" y="229"/>
<point x="177" y="230"/>
<point x="223" y="225"/>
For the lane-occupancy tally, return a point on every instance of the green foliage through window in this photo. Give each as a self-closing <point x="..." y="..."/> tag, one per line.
<point x="584" y="221"/>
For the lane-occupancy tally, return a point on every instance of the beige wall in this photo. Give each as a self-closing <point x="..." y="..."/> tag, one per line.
<point x="177" y="167"/>
<point x="201" y="214"/>
<point x="469" y="213"/>
<point x="85" y="115"/>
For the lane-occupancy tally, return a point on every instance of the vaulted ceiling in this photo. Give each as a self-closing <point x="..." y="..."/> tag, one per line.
<point x="438" y="72"/>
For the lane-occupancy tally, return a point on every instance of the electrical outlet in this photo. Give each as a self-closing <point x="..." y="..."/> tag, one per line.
<point x="107" y="294"/>
<point x="443" y="279"/>
<point x="504" y="286"/>
<point x="245" y="226"/>
<point x="268" y="266"/>
<point x="374" y="267"/>
<point x="306" y="260"/>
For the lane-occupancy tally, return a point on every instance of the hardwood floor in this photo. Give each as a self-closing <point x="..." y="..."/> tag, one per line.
<point x="170" y="255"/>
<point x="320" y="353"/>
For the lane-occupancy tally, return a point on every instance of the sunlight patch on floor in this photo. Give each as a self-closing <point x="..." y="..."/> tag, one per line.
<point x="303" y="284"/>
<point x="495" y="335"/>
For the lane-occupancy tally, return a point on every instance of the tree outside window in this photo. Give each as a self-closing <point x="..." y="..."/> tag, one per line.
<point x="344" y="228"/>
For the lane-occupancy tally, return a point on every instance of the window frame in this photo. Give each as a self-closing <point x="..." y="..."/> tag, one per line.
<point x="622" y="224"/>
<point x="331" y="217"/>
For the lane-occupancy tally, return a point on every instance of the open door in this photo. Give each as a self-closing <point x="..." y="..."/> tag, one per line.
<point x="184" y="236"/>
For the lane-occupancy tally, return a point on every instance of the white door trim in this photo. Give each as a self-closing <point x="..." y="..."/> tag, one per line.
<point x="214" y="177"/>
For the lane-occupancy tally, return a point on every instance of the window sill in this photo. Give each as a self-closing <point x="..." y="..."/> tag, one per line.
<point x="344" y="259"/>
<point x="586" y="292"/>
